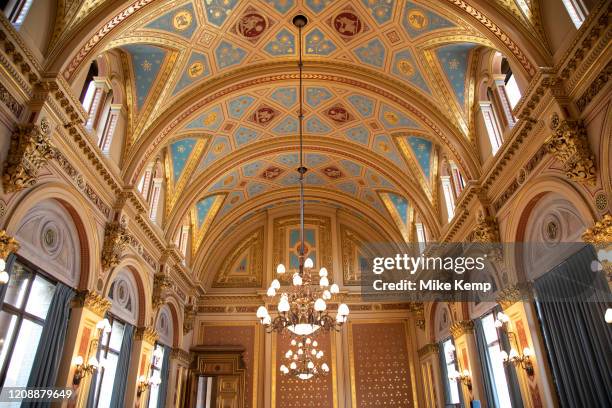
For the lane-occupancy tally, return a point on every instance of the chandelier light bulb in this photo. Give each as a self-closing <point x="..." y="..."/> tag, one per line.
<point x="340" y="319"/>
<point x="527" y="352"/>
<point x="297" y="280"/>
<point x="288" y="354"/>
<point x="78" y="360"/>
<point x="283" y="368"/>
<point x="323" y="272"/>
<point x="4" y="277"/>
<point x="466" y="373"/>
<point x="310" y="365"/>
<point x="293" y="342"/>
<point x="295" y="357"/>
<point x="608" y="315"/>
<point x="343" y="309"/>
<point x="308" y="263"/>
<point x="267" y="320"/>
<point x="325" y="367"/>
<point x="315" y="344"/>
<point x="334" y="289"/>
<point x="93" y="361"/>
<point x="300" y="344"/>
<point x="2" y="264"/>
<point x="283" y="305"/>
<point x="280" y="269"/>
<point x="308" y="340"/>
<point x="293" y="365"/>
<point x="300" y="351"/>
<point x="320" y="354"/>
<point x="320" y="305"/>
<point x="262" y="312"/>
<point x="271" y="292"/>
<point x="324" y="282"/>
<point x="275" y="284"/>
<point x="313" y="352"/>
<point x="513" y="354"/>
<point x="326" y="295"/>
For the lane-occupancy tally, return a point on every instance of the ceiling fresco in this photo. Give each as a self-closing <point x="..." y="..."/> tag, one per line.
<point x="179" y="55"/>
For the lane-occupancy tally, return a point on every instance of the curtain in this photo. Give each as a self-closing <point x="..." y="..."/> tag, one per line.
<point x="123" y="365"/>
<point x="49" y="353"/>
<point x="485" y="363"/>
<point x="165" y="377"/>
<point x="571" y="303"/>
<point x="10" y="262"/>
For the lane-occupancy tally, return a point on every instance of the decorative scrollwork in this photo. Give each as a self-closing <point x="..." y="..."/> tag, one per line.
<point x="92" y="301"/>
<point x="28" y="153"/>
<point x="569" y="144"/>
<point x="600" y="233"/>
<point x="161" y="284"/>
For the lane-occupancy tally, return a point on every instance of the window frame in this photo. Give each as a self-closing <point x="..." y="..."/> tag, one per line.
<point x="102" y="352"/>
<point x="21" y="312"/>
<point x="455" y="363"/>
<point x="153" y="370"/>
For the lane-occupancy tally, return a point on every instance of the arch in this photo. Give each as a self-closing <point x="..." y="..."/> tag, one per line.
<point x="81" y="216"/>
<point x="132" y="269"/>
<point x="164" y="326"/>
<point x="528" y="199"/>
<point x="440" y="321"/>
<point x="174" y="305"/>
<point x="49" y="239"/>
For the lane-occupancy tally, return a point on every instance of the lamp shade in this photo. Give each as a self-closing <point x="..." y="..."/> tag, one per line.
<point x="308" y="263"/>
<point x="280" y="269"/>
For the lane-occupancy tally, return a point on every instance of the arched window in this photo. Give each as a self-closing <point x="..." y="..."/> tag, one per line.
<point x="512" y="88"/>
<point x="16" y="10"/>
<point x="449" y="197"/>
<point x="491" y="122"/>
<point x="421" y="234"/>
<point x="89" y="88"/>
<point x="150" y="186"/>
<point x="458" y="180"/>
<point x="576" y="10"/>
<point x="110" y="116"/>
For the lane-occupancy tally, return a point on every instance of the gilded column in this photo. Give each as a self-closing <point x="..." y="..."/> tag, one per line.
<point x="467" y="358"/>
<point x="140" y="366"/>
<point x="88" y="309"/>
<point x="431" y="375"/>
<point x="180" y="360"/>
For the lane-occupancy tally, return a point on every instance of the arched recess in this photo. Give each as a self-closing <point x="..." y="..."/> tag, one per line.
<point x="440" y="321"/>
<point x="133" y="275"/>
<point x="546" y="226"/>
<point x="165" y="327"/>
<point x="48" y="238"/>
<point x="80" y="216"/>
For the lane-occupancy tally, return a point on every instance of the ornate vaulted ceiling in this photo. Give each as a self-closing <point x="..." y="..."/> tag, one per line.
<point x="389" y="91"/>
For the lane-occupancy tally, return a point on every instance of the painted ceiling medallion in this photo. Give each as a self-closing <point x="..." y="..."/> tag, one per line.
<point x="417" y="19"/>
<point x="347" y="24"/>
<point x="264" y="115"/>
<point x="333" y="172"/>
<point x="251" y="25"/>
<point x="271" y="173"/>
<point x="339" y="114"/>
<point x="182" y="20"/>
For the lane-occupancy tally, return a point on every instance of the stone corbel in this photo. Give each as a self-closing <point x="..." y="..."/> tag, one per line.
<point x="189" y="317"/>
<point x="518" y="293"/>
<point x="29" y="151"/>
<point x="8" y="244"/>
<point x="161" y="284"/>
<point x="92" y="301"/>
<point x="486" y="233"/>
<point x="461" y="327"/>
<point x="116" y="239"/>
<point x="569" y="145"/>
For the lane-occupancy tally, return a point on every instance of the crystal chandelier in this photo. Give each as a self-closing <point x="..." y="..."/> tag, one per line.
<point x="305" y="362"/>
<point x="302" y="309"/>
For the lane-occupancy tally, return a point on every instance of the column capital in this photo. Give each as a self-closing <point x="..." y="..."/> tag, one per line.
<point x="181" y="356"/>
<point x="92" y="301"/>
<point x="461" y="327"/>
<point x="146" y="334"/>
<point x="8" y="244"/>
<point x="569" y="144"/>
<point x="428" y="349"/>
<point x="600" y="233"/>
<point x="517" y="293"/>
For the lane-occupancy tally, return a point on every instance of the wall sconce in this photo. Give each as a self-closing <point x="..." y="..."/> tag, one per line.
<point x="608" y="315"/>
<point x="522" y="360"/>
<point x="83" y="369"/>
<point x="144" y="383"/>
<point x="463" y="377"/>
<point x="8" y="245"/>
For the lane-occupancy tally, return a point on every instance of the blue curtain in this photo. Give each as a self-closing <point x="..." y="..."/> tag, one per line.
<point x="123" y="365"/>
<point x="511" y="378"/>
<point x="164" y="375"/>
<point x="50" y="349"/>
<point x="486" y="365"/>
<point x="571" y="303"/>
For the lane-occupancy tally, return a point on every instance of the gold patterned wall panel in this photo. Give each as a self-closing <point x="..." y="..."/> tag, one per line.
<point x="236" y="335"/>
<point x="380" y="365"/>
<point x="290" y="392"/>
<point x="243" y="266"/>
<point x="318" y="242"/>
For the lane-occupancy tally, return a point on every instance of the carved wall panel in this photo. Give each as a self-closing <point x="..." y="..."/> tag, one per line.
<point x="355" y="255"/>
